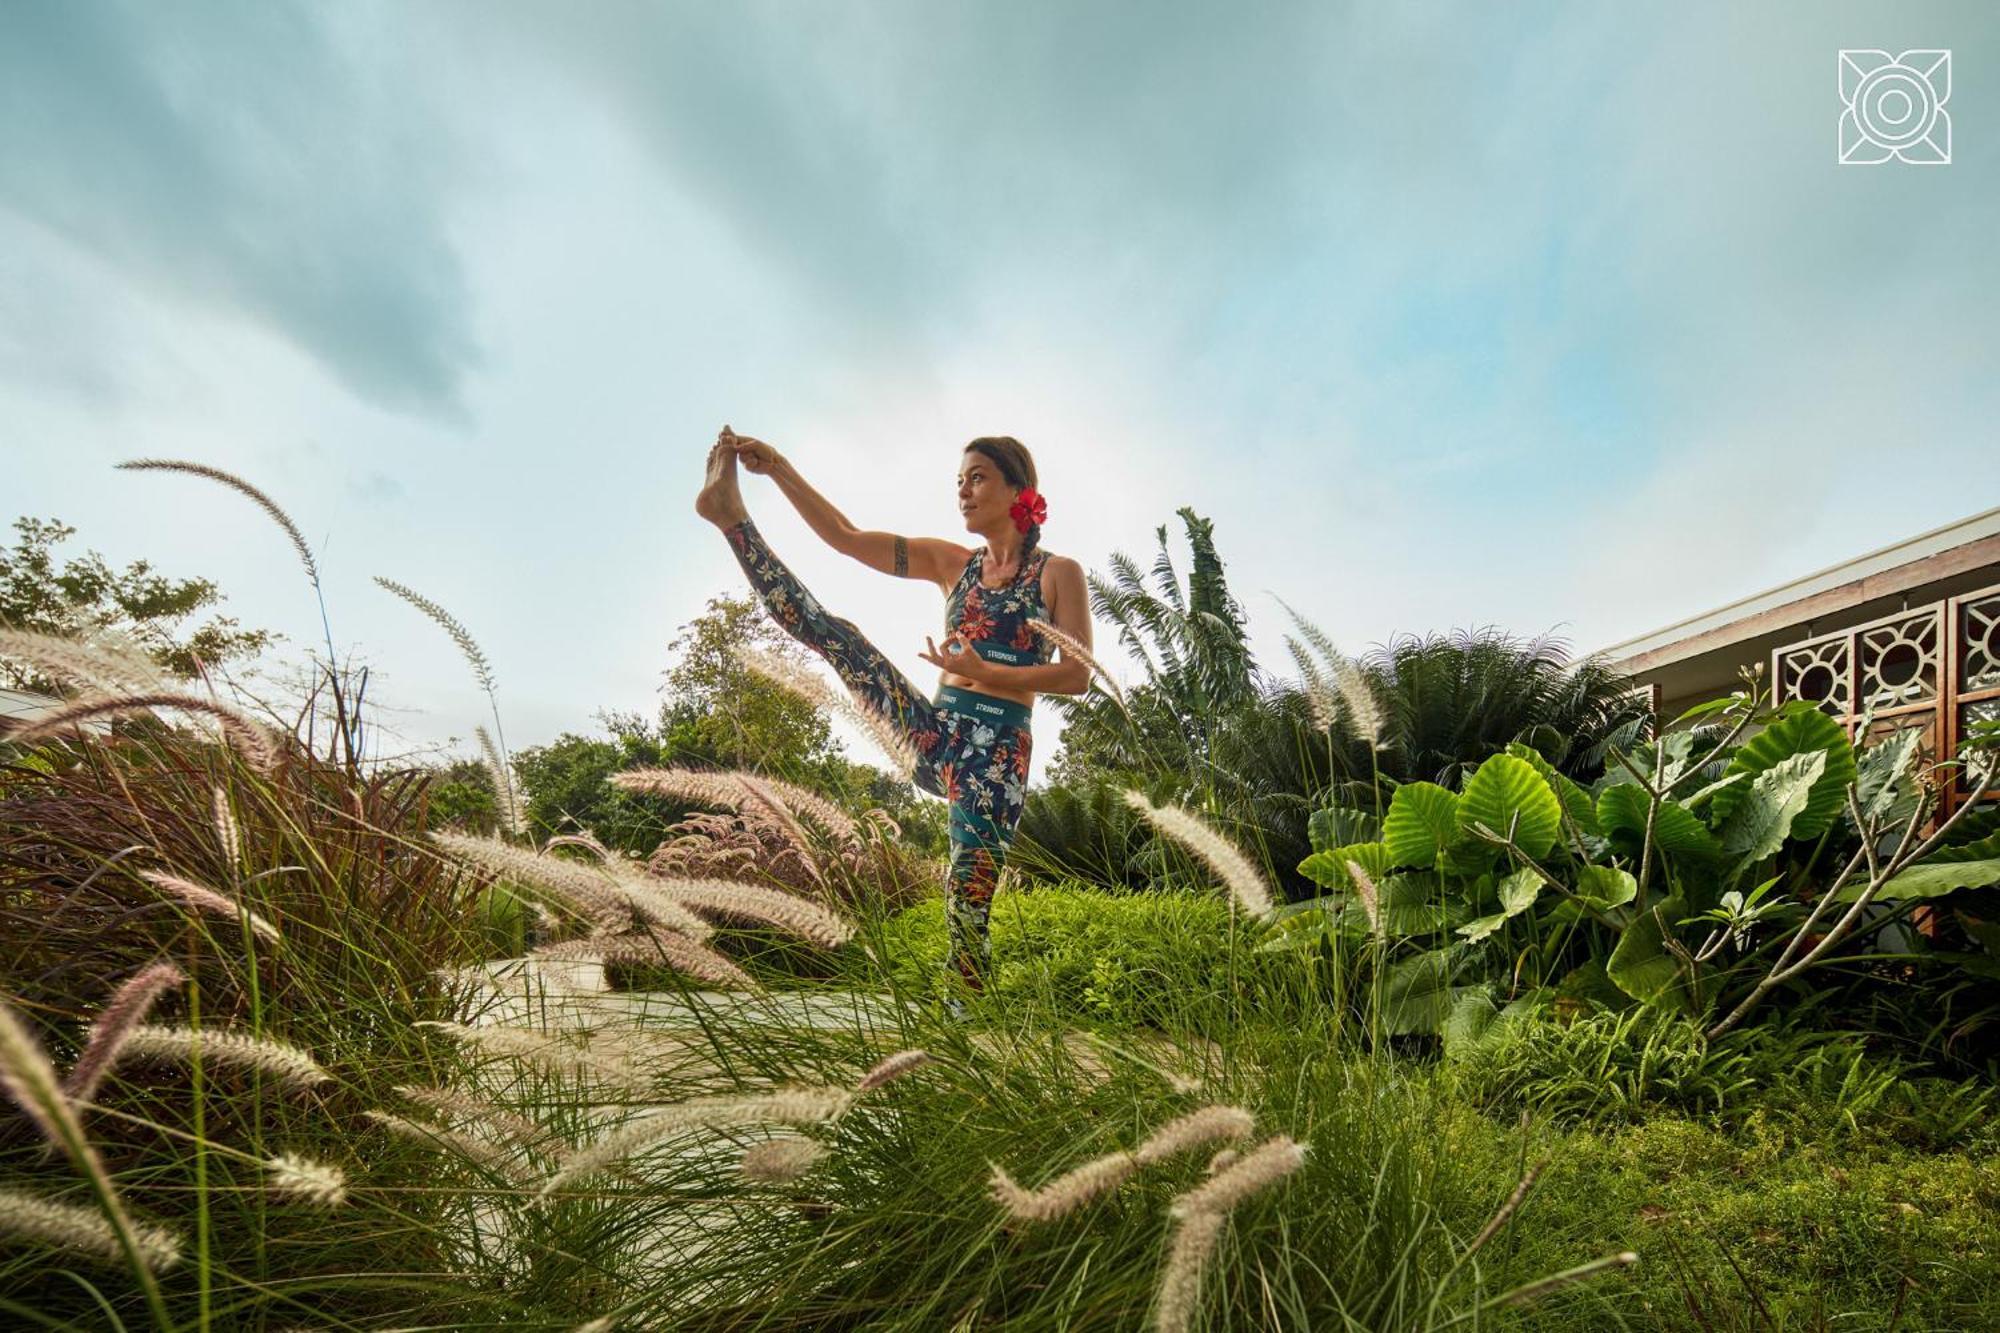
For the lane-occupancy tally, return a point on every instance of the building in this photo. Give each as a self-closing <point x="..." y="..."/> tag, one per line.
<point x="1904" y="637"/>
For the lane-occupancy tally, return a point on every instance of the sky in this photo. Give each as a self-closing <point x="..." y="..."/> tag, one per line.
<point x="1550" y="317"/>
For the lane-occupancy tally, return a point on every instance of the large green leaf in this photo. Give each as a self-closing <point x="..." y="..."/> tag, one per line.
<point x="1880" y="771"/>
<point x="1503" y="789"/>
<point x="1774" y="807"/>
<point x="1641" y="966"/>
<point x="1339" y="825"/>
<point x="1932" y="879"/>
<point x="1575" y="800"/>
<point x="1799" y="729"/>
<point x="1415" y="903"/>
<point x="1329" y="869"/>
<point x="1517" y="894"/>
<point x="1422" y="822"/>
<point x="1621" y="810"/>
<point x="1605" y="887"/>
<point x="1417" y="993"/>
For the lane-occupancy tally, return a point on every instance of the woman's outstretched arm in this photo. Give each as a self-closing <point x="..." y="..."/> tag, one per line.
<point x="912" y="557"/>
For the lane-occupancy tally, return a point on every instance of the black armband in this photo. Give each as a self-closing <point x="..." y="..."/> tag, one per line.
<point x="902" y="557"/>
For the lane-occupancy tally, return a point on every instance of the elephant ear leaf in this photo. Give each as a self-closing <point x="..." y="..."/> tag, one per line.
<point x="1328" y="869"/>
<point x="1799" y="729"/>
<point x="1642" y="967"/>
<point x="1338" y="825"/>
<point x="1506" y="789"/>
<point x="1932" y="879"/>
<point x="1517" y="894"/>
<point x="1774" y="808"/>
<point x="1575" y="800"/>
<point x="1422" y="822"/>
<point x="1621" y="811"/>
<point x="1417" y="994"/>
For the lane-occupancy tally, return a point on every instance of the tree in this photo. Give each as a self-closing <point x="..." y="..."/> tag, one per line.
<point x="85" y="596"/>
<point x="718" y="712"/>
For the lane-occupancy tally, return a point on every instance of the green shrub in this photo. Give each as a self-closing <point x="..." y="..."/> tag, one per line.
<point x="1158" y="959"/>
<point x="1626" y="1066"/>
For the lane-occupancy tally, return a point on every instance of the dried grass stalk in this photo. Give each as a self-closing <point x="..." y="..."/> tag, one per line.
<point x="1370" y="896"/>
<point x="204" y="899"/>
<point x="1188" y="1253"/>
<point x="507" y="797"/>
<point x="890" y="1068"/>
<point x="1194" y="833"/>
<point x="587" y="890"/>
<point x="659" y="947"/>
<point x="242" y="487"/>
<point x="126" y="1009"/>
<point x="776" y="1161"/>
<point x="291" y="1176"/>
<point x="245" y="735"/>
<point x="228" y="833"/>
<point x="100" y="664"/>
<point x="475" y="656"/>
<point x="1258" y="1169"/>
<point x="1073" y="647"/>
<point x="807" y="920"/>
<point x="82" y="1230"/>
<point x="797" y="1106"/>
<point x="237" y="1050"/>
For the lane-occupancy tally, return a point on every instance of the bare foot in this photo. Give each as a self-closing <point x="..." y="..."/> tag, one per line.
<point x="720" y="502"/>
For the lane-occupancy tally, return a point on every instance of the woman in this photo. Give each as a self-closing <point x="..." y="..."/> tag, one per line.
<point x="972" y="739"/>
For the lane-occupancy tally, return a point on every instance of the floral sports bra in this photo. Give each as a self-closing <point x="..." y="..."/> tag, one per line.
<point x="995" y="620"/>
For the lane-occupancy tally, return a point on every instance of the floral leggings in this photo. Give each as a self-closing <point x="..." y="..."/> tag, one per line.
<point x="972" y="748"/>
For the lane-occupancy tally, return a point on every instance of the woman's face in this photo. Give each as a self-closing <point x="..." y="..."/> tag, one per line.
<point x="984" y="495"/>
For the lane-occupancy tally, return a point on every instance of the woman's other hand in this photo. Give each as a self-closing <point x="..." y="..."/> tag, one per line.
<point x="954" y="656"/>
<point x="755" y="455"/>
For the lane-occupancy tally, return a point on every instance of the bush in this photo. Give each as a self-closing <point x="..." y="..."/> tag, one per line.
<point x="1149" y="959"/>
<point x="1629" y="1066"/>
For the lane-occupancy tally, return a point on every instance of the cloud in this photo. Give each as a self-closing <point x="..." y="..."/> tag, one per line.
<point x="247" y="157"/>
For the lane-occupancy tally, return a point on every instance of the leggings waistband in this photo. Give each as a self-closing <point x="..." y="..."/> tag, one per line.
<point x="985" y="707"/>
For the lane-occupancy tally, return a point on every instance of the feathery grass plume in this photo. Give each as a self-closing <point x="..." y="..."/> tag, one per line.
<point x="888" y="736"/>
<point x="83" y="1230"/>
<point x="1350" y="682"/>
<point x="98" y="664"/>
<point x="791" y="1106"/>
<point x="589" y="891"/>
<point x="1370" y="896"/>
<point x="614" y="1070"/>
<point x="228" y="833"/>
<point x="126" y="1009"/>
<point x="656" y="947"/>
<point x="1197" y="1127"/>
<point x="890" y="1068"/>
<point x="506" y="798"/>
<point x="605" y="856"/>
<point x="810" y="804"/>
<point x="237" y="1050"/>
<point x="601" y="1324"/>
<point x="1074" y="648"/>
<point x="1258" y="1169"/>
<point x="246" y="736"/>
<point x="1067" y="1192"/>
<point x="235" y="483"/>
<point x="482" y="668"/>
<point x="775" y="1161"/>
<point x="472" y="1148"/>
<point x="1320" y="700"/>
<point x="650" y="898"/>
<point x="30" y="1080"/>
<point x="693" y="785"/>
<point x="1194" y="833"/>
<point x="294" y="1177"/>
<point x="807" y="920"/>
<point x="447" y="1101"/>
<point x="793" y="832"/>
<point x="1534" y="1291"/>
<point x="204" y="899"/>
<point x="1179" y="1292"/>
<point x="1222" y="1161"/>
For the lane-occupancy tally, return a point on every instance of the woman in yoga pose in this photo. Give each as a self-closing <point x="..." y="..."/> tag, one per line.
<point x="972" y="739"/>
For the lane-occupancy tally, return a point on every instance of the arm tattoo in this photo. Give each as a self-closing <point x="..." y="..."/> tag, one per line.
<point x="902" y="557"/>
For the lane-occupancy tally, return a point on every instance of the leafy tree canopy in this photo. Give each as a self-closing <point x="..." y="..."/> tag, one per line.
<point x="85" y="595"/>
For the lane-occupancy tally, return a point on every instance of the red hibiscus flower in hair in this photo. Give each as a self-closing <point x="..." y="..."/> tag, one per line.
<point x="1029" y="509"/>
